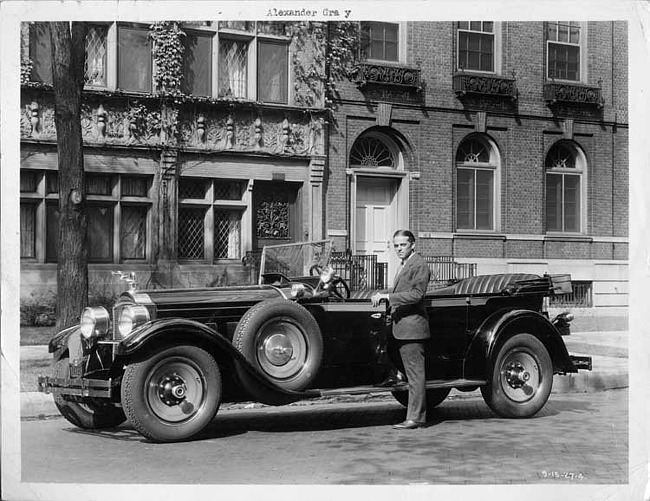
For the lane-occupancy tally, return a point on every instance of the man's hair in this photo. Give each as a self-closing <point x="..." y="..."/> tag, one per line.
<point x="405" y="233"/>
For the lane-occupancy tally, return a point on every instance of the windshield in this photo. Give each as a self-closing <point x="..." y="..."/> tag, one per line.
<point x="295" y="260"/>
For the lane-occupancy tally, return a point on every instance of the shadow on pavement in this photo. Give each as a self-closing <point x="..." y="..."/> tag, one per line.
<point x="323" y="418"/>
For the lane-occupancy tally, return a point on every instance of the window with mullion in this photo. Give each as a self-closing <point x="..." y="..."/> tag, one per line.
<point x="380" y="41"/>
<point x="563" y="203"/>
<point x="475" y="199"/>
<point x="476" y="46"/>
<point x="563" y="50"/>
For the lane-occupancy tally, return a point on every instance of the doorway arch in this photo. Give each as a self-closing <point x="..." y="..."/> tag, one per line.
<point x="379" y="193"/>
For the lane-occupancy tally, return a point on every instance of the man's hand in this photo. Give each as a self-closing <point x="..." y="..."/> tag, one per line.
<point x="377" y="298"/>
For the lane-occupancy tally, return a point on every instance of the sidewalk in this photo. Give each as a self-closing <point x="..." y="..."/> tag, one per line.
<point x="609" y="352"/>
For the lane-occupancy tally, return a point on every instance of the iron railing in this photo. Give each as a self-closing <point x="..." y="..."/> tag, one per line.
<point x="580" y="297"/>
<point x="445" y="270"/>
<point x="365" y="273"/>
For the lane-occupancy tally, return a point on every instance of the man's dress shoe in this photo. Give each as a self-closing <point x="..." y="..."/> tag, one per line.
<point x="392" y="380"/>
<point x="408" y="425"/>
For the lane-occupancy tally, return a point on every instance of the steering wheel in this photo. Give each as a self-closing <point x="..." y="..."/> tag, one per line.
<point x="315" y="270"/>
<point x="340" y="288"/>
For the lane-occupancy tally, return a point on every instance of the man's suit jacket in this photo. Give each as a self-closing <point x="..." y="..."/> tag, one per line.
<point x="410" y="320"/>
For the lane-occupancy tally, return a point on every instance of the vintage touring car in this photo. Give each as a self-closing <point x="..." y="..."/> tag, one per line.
<point x="169" y="357"/>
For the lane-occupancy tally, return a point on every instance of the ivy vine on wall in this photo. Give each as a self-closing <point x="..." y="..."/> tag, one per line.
<point x="335" y="50"/>
<point x="168" y="49"/>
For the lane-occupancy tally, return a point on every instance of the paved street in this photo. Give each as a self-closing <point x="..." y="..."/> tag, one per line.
<point x="578" y="438"/>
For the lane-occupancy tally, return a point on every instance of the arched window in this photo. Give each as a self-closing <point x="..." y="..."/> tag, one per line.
<point x="375" y="150"/>
<point x="565" y="169"/>
<point x="477" y="162"/>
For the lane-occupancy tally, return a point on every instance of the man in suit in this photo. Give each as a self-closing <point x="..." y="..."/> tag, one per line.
<point x="410" y="323"/>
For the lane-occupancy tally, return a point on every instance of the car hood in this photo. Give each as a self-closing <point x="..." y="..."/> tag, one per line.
<point x="202" y="304"/>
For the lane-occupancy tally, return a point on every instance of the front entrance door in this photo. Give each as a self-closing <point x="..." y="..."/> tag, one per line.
<point x="376" y="218"/>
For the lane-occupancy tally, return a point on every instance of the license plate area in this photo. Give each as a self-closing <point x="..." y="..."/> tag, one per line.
<point x="76" y="371"/>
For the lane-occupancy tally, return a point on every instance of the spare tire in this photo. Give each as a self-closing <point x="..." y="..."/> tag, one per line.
<point x="282" y="340"/>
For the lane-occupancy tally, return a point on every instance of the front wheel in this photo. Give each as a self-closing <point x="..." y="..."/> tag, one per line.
<point x="521" y="380"/>
<point x="85" y="412"/>
<point x="172" y="395"/>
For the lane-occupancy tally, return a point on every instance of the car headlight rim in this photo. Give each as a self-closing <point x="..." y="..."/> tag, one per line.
<point x="131" y="317"/>
<point x="94" y="322"/>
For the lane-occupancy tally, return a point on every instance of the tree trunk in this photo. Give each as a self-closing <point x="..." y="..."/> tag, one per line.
<point x="68" y="47"/>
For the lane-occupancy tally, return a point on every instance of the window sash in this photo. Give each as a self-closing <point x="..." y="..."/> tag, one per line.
<point x="233" y="68"/>
<point x="563" y="61"/>
<point x="476" y="51"/>
<point x="191" y="233"/>
<point x="272" y="72"/>
<point x="197" y="64"/>
<point x="380" y="41"/>
<point x="475" y="199"/>
<point x="227" y="234"/>
<point x="27" y="230"/>
<point x="100" y="239"/>
<point x="134" y="59"/>
<point x="563" y="196"/>
<point x="95" y="65"/>
<point x="40" y="53"/>
<point x="133" y="227"/>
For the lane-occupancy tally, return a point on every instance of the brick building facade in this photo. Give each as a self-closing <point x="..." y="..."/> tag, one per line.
<point x="502" y="144"/>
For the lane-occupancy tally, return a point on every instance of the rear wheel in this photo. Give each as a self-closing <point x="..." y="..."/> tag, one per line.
<point x="522" y="378"/>
<point x="435" y="396"/>
<point x="172" y="395"/>
<point x="85" y="412"/>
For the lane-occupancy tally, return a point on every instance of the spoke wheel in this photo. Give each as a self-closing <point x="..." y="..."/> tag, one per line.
<point x="172" y="395"/>
<point x="85" y="412"/>
<point x="522" y="378"/>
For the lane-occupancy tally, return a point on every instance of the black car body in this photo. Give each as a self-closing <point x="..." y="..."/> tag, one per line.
<point x="169" y="357"/>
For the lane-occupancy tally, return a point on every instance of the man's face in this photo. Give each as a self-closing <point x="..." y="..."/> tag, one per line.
<point x="403" y="247"/>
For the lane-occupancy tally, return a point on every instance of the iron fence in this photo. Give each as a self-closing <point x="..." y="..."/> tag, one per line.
<point x="365" y="273"/>
<point x="445" y="270"/>
<point x="580" y="297"/>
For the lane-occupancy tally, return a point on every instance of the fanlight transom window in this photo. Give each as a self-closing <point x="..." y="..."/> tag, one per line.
<point x="371" y="151"/>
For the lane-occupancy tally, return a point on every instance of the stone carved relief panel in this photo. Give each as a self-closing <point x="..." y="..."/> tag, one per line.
<point x="243" y="130"/>
<point x="111" y="120"/>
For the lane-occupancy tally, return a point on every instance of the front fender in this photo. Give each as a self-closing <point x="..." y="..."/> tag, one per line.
<point x="60" y="340"/>
<point x="500" y="326"/>
<point x="192" y="332"/>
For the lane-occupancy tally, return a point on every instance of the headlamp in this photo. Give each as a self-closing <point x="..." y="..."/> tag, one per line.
<point x="132" y="317"/>
<point x="94" y="322"/>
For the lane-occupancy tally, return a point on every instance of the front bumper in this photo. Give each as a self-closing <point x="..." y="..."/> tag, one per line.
<point x="101" y="388"/>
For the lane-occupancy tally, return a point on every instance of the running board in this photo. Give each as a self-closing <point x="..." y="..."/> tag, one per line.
<point x="432" y="384"/>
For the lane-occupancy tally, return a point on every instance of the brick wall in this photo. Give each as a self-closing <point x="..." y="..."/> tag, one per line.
<point x="522" y="133"/>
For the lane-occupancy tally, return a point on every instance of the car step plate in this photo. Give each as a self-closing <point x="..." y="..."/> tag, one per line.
<point x="434" y="383"/>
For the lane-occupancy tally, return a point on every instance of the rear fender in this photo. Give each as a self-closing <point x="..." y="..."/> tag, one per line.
<point x="164" y="331"/>
<point x="500" y="326"/>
